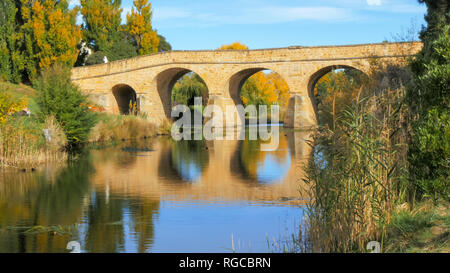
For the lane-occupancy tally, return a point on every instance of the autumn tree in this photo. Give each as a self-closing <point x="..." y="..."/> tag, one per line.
<point x="234" y="46"/>
<point x="101" y="23"/>
<point x="335" y="91"/>
<point x="266" y="88"/>
<point x="139" y="26"/>
<point x="34" y="35"/>
<point x="52" y="31"/>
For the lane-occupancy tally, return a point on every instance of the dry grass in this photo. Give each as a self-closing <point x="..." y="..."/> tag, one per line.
<point x="23" y="146"/>
<point x="118" y="128"/>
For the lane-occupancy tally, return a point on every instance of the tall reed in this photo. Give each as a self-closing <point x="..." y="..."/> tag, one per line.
<point x="23" y="145"/>
<point x="358" y="171"/>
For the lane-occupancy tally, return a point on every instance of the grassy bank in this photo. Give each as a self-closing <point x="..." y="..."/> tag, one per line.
<point x="423" y="229"/>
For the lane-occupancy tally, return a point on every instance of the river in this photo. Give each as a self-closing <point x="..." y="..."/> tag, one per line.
<point x="159" y="195"/>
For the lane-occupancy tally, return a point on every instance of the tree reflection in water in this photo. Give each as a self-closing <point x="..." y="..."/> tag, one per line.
<point x="184" y="160"/>
<point x="261" y="167"/>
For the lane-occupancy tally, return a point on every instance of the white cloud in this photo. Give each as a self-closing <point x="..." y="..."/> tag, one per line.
<point x="373" y="2"/>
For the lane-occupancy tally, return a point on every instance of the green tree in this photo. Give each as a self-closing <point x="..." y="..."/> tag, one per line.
<point x="163" y="44"/>
<point x="428" y="99"/>
<point x="96" y="58"/>
<point x="122" y="50"/>
<point x="59" y="97"/>
<point x="7" y="25"/>
<point x="189" y="87"/>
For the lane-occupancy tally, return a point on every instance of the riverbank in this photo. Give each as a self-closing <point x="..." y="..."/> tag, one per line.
<point x="23" y="145"/>
<point x="26" y="142"/>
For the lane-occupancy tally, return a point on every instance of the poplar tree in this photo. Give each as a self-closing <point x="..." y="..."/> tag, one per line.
<point x="7" y="21"/>
<point x="11" y="61"/>
<point x="48" y="34"/>
<point x="101" y="23"/>
<point x="139" y="26"/>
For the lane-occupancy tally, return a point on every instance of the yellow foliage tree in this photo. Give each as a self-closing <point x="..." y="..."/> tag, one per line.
<point x="234" y="46"/>
<point x="50" y="33"/>
<point x="139" y="25"/>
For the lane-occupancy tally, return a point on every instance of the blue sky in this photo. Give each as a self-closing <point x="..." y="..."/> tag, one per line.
<point x="207" y="24"/>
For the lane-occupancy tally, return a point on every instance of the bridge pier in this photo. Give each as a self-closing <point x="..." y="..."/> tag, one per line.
<point x="229" y="118"/>
<point x="300" y="113"/>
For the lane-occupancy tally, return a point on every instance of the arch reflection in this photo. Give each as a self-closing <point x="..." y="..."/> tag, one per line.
<point x="184" y="160"/>
<point x="261" y="167"/>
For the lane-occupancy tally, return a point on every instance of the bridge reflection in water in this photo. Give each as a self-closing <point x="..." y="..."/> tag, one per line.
<point x="187" y="196"/>
<point x="220" y="170"/>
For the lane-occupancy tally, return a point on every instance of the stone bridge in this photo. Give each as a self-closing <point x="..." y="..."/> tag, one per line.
<point x="148" y="80"/>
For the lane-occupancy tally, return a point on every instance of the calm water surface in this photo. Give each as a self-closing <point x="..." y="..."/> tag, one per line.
<point x="159" y="195"/>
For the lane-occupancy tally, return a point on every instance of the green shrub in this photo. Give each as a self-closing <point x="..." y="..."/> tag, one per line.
<point x="428" y="99"/>
<point x="59" y="97"/>
<point x="430" y="154"/>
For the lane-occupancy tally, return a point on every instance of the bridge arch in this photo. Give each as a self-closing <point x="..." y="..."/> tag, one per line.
<point x="125" y="96"/>
<point x="273" y="78"/>
<point x="319" y="74"/>
<point x="165" y="81"/>
<point x="237" y="81"/>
